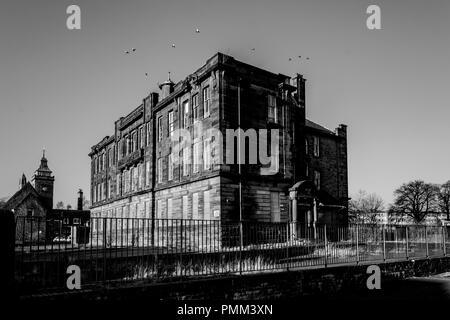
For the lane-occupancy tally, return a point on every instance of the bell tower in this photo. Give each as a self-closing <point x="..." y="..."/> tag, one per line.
<point x="43" y="182"/>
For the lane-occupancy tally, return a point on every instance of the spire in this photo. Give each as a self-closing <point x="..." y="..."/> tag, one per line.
<point x="43" y="169"/>
<point x="23" y="181"/>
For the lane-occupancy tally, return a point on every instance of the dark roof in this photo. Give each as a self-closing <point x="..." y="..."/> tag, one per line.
<point x="316" y="126"/>
<point x="21" y="195"/>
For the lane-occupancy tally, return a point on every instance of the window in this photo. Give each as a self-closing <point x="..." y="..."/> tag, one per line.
<point x="113" y="155"/>
<point x="135" y="178"/>
<point x="195" y="206"/>
<point x="317" y="179"/>
<point x="197" y="155"/>
<point x="135" y="141"/>
<point x="169" y="208"/>
<point x="147" y="173"/>
<point x="160" y="170"/>
<point x="206" y="206"/>
<point x="170" y="167"/>
<point x="272" y="109"/>
<point x="141" y="176"/>
<point x="195" y="107"/>
<point x="129" y="145"/>
<point x="185" y="114"/>
<point x="141" y="137"/>
<point x="107" y="164"/>
<point x="316" y="142"/>
<point x="76" y="221"/>
<point x="30" y="213"/>
<point x="119" y="149"/>
<point x="147" y="126"/>
<point x="66" y="221"/>
<point x="127" y="181"/>
<point x="160" y="129"/>
<point x="171" y="124"/>
<point x="131" y="179"/>
<point x="118" y="184"/>
<point x="206" y="154"/>
<point x="186" y="160"/>
<point x="108" y="189"/>
<point x="185" y="207"/>
<point x="206" y="101"/>
<point x="306" y="146"/>
<point x="159" y="209"/>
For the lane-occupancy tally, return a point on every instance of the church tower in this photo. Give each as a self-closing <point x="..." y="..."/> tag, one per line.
<point x="43" y="182"/>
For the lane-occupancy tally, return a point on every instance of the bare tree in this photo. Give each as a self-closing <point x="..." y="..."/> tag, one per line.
<point x="60" y="205"/>
<point x="444" y="198"/>
<point x="416" y="199"/>
<point x="365" y="207"/>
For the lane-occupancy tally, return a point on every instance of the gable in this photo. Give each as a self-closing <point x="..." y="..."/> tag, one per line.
<point x="27" y="191"/>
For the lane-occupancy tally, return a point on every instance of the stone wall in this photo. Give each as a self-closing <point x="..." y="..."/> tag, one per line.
<point x="330" y="282"/>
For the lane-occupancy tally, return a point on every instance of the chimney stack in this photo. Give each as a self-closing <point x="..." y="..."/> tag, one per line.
<point x="80" y="200"/>
<point x="300" y="84"/>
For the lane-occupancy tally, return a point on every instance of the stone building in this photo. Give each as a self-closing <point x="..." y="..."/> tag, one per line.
<point x="139" y="171"/>
<point x="32" y="206"/>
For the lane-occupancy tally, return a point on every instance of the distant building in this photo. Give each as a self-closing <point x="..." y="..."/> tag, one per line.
<point x="134" y="173"/>
<point x="32" y="206"/>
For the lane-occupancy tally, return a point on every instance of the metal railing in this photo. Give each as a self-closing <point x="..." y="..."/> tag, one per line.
<point x="126" y="249"/>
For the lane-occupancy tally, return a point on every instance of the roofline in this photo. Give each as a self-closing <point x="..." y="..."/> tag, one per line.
<point x="180" y="86"/>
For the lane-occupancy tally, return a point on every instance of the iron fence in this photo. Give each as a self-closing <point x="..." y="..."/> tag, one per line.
<point x="126" y="249"/>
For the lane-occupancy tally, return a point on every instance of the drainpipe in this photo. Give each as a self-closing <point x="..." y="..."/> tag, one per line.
<point x="239" y="166"/>
<point x="314" y="215"/>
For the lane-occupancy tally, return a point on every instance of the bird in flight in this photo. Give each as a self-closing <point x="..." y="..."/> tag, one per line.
<point x="146" y="74"/>
<point x="173" y="45"/>
<point x="127" y="52"/>
<point x="133" y="49"/>
<point x="197" y="30"/>
<point x="290" y="59"/>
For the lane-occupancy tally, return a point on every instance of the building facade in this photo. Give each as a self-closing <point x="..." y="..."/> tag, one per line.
<point x="290" y="169"/>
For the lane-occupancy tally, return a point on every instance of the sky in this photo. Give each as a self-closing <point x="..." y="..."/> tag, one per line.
<point x="63" y="89"/>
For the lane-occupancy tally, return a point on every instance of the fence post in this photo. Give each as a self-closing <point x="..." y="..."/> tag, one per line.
<point x="326" y="245"/>
<point x="384" y="243"/>
<point x="289" y="243"/>
<point x="444" y="236"/>
<point x="357" y="243"/>
<point x="181" y="249"/>
<point x="426" y="240"/>
<point x="407" y="243"/>
<point x="241" y="244"/>
<point x="104" y="249"/>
